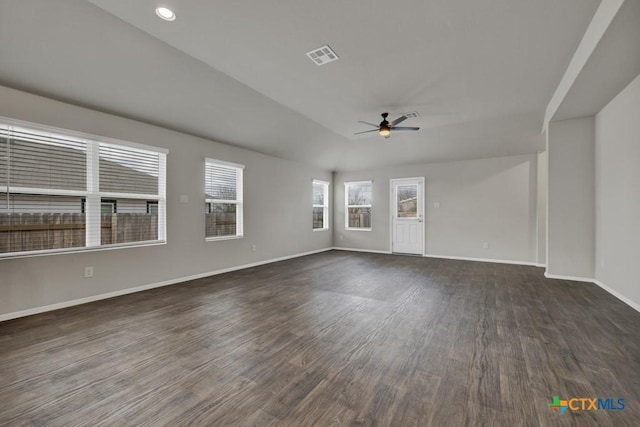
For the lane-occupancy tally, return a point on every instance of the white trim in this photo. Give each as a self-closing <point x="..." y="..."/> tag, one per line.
<point x="600" y="23"/>
<point x="162" y="200"/>
<point x="336" y="248"/>
<point x="598" y="283"/>
<point x="347" y="205"/>
<point x="393" y="208"/>
<point x="136" y="196"/>
<point x="618" y="295"/>
<point x="497" y="261"/>
<point x="368" y="181"/>
<point x="216" y="238"/>
<point x="65" y="304"/>
<point x="325" y="207"/>
<point x="43" y="191"/>
<point x="226" y="202"/>
<point x="93" y="205"/>
<point x="80" y="249"/>
<point x="239" y="200"/>
<point x="572" y="278"/>
<point x="223" y="163"/>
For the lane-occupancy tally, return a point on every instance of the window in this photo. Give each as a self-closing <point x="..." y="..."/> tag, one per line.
<point x="358" y="205"/>
<point x="223" y="200"/>
<point x="320" y="205"/>
<point x="62" y="190"/>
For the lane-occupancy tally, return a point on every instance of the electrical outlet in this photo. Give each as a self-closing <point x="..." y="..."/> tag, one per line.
<point x="88" y="272"/>
<point x="485" y="245"/>
<point x="254" y="248"/>
<point x="436" y="205"/>
<point x="340" y="237"/>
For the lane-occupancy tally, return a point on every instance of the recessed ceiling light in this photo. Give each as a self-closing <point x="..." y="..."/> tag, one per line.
<point x="166" y="14"/>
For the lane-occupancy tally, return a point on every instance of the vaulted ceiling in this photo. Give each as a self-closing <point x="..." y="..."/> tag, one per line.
<point x="478" y="73"/>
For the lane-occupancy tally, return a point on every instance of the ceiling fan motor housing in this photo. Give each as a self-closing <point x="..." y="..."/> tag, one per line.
<point x="384" y="123"/>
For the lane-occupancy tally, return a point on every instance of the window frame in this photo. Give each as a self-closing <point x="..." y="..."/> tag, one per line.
<point x="325" y="206"/>
<point x="151" y="203"/>
<point x="347" y="205"/>
<point x="91" y="196"/>
<point x="239" y="200"/>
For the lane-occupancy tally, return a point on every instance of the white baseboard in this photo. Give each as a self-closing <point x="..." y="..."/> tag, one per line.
<point x="65" y="304"/>
<point x="613" y="292"/>
<point x="498" y="261"/>
<point x="336" y="248"/>
<point x="618" y="295"/>
<point x="572" y="278"/>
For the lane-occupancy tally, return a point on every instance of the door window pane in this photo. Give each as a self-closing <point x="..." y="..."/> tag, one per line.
<point x="407" y="201"/>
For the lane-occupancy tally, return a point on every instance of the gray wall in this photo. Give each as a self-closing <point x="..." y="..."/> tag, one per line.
<point x="571" y="198"/>
<point x="542" y="208"/>
<point x="486" y="200"/>
<point x="277" y="214"/>
<point x="618" y="193"/>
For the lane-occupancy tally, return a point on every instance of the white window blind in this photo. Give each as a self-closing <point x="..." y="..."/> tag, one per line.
<point x="320" y="204"/>
<point x="41" y="160"/>
<point x="128" y="170"/>
<point x="223" y="200"/>
<point x="358" y="204"/>
<point x="55" y="185"/>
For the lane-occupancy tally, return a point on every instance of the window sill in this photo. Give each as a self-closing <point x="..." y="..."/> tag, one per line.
<point x="357" y="229"/>
<point x="218" y="238"/>
<point x="80" y="250"/>
<point x="321" y="229"/>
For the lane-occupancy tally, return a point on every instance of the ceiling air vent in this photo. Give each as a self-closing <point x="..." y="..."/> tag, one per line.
<point x="410" y="115"/>
<point x="322" y="55"/>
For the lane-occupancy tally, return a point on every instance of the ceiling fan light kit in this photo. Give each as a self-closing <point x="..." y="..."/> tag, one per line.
<point x="385" y="128"/>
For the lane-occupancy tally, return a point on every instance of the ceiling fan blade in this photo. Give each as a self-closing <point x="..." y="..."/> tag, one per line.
<point x="367" y="123"/>
<point x="398" y="120"/>
<point x="366" y="131"/>
<point x="404" y="128"/>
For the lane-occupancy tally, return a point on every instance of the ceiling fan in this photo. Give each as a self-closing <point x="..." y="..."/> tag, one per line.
<point x="385" y="128"/>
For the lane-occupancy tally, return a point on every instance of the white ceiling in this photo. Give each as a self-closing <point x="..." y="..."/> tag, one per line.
<point x="479" y="73"/>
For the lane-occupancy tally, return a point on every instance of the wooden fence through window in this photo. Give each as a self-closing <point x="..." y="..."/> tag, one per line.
<point x="22" y="232"/>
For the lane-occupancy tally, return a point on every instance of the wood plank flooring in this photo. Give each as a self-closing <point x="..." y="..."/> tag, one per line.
<point x="336" y="338"/>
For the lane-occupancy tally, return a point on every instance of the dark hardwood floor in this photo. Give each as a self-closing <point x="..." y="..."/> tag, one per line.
<point x="336" y="338"/>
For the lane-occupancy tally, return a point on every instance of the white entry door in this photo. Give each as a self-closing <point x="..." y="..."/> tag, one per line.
<point x="407" y="208"/>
